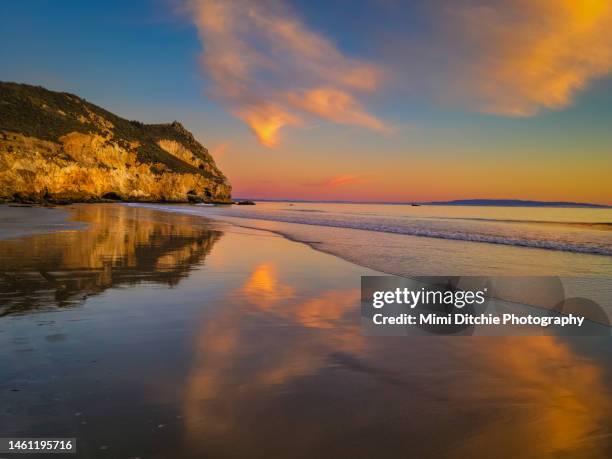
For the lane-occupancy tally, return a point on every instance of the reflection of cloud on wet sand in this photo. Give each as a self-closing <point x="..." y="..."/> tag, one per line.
<point x="260" y="347"/>
<point x="553" y="399"/>
<point x="264" y="290"/>
<point x="263" y="287"/>
<point x="226" y="341"/>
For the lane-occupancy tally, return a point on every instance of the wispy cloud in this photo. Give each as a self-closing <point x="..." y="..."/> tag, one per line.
<point x="516" y="57"/>
<point x="335" y="105"/>
<point x="339" y="180"/>
<point x="504" y="57"/>
<point x="271" y="70"/>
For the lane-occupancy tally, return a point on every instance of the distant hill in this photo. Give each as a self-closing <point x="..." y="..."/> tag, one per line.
<point x="57" y="147"/>
<point x="513" y="203"/>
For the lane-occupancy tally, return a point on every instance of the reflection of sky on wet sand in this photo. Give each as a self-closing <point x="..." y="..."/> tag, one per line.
<point x="254" y="349"/>
<point x="524" y="396"/>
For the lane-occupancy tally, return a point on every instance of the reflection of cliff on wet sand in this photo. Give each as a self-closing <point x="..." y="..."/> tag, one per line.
<point x="380" y="396"/>
<point x="120" y="246"/>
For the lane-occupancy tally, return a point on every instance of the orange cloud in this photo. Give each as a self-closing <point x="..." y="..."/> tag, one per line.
<point x="264" y="287"/>
<point x="265" y="120"/>
<point x="270" y="70"/>
<point x="337" y="106"/>
<point x="525" y="55"/>
<point x="340" y="180"/>
<point x="345" y="179"/>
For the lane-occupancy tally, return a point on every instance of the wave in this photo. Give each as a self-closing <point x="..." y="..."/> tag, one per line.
<point x="305" y="210"/>
<point x="457" y="236"/>
<point x="438" y="233"/>
<point x="606" y="226"/>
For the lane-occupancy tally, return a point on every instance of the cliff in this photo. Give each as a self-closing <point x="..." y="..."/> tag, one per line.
<point x="57" y="147"/>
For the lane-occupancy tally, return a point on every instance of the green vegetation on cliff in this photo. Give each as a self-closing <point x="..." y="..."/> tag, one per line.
<point x="57" y="145"/>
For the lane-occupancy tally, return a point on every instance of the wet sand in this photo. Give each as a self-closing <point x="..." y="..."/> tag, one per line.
<point x="19" y="221"/>
<point x="147" y="334"/>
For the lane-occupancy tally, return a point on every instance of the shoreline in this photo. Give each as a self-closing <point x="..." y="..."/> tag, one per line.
<point x="565" y="285"/>
<point x="297" y="232"/>
<point x="457" y="231"/>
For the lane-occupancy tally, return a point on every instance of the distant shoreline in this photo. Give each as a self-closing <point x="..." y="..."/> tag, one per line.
<point x="458" y="202"/>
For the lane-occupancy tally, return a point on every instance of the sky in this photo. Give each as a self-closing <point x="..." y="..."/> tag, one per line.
<point x="380" y="100"/>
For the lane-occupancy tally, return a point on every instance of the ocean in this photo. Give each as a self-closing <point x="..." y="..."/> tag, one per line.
<point x="411" y="240"/>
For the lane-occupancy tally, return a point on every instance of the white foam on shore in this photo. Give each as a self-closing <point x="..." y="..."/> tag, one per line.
<point x="501" y="232"/>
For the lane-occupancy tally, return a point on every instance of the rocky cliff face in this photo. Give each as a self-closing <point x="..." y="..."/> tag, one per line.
<point x="57" y="147"/>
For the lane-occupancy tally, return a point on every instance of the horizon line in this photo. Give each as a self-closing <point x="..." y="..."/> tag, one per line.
<point x="456" y="202"/>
